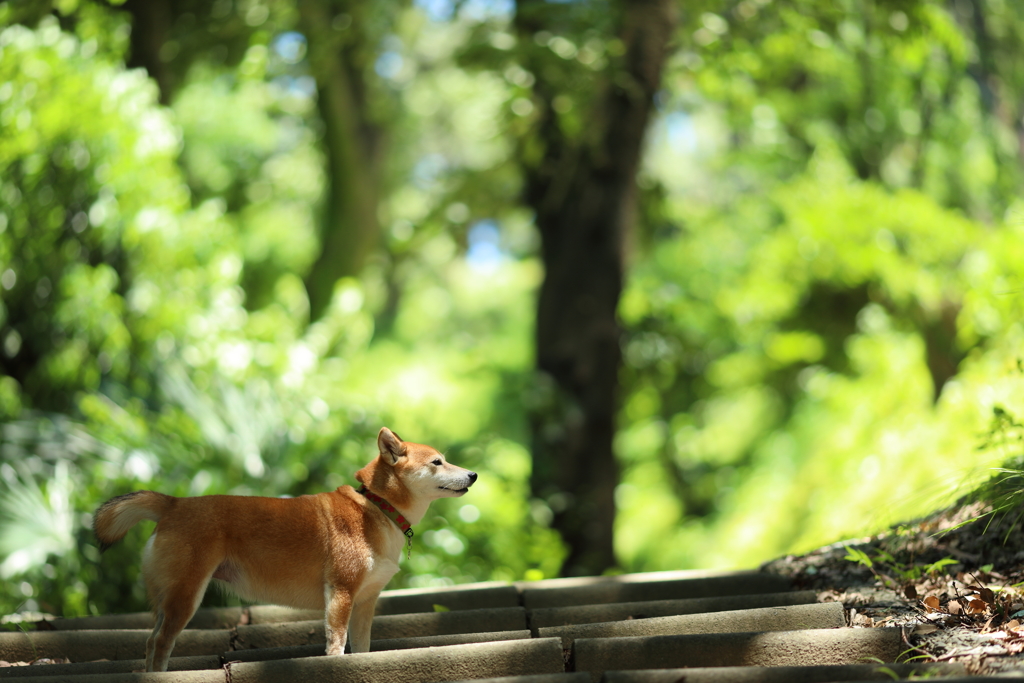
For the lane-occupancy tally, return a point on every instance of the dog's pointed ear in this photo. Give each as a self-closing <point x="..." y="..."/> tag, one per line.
<point x="389" y="444"/>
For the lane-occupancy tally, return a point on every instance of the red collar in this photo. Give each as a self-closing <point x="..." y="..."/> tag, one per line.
<point x="389" y="510"/>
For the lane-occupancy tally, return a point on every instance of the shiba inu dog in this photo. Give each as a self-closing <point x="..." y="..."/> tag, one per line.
<point x="333" y="551"/>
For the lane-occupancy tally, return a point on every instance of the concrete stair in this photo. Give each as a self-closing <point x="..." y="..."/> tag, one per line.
<point x="701" y="627"/>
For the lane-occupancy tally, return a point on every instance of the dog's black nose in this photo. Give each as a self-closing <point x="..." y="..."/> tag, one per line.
<point x="472" y="477"/>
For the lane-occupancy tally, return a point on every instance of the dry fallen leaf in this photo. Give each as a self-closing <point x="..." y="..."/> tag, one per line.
<point x="924" y="629"/>
<point x="975" y="606"/>
<point x="954" y="607"/>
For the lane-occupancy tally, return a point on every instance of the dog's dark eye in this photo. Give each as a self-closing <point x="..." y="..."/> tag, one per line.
<point x="437" y="462"/>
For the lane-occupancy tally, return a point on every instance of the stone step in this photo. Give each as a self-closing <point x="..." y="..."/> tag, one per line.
<point x="317" y="649"/>
<point x="388" y="627"/>
<point x="205" y="618"/>
<point x="500" y="596"/>
<point x="451" y="663"/>
<point x="109" y="667"/>
<point x="567" y="677"/>
<point x="489" y="595"/>
<point x="424" y="665"/>
<point x="206" y="676"/>
<point x="788" y="674"/>
<point x="78" y="645"/>
<point x="791" y="618"/>
<point x="202" y="662"/>
<point x="87" y="646"/>
<point x="782" y="648"/>
<point x="637" y="577"/>
<point x="590" y="614"/>
<point x="605" y="590"/>
<point x="492" y="594"/>
<point x="701" y="627"/>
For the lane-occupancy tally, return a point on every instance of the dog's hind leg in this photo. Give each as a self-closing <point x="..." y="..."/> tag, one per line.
<point x="151" y="641"/>
<point x="172" y="615"/>
<point x="176" y="584"/>
<point x="336" y="615"/>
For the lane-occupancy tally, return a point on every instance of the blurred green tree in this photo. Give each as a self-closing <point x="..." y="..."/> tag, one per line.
<point x="217" y="392"/>
<point x="90" y="193"/>
<point x="781" y="105"/>
<point x="818" y="306"/>
<point x="170" y="37"/>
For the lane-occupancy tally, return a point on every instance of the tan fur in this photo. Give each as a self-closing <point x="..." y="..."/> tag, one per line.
<point x="333" y="551"/>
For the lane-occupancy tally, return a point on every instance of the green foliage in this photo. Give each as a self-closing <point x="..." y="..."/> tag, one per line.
<point x="184" y="383"/>
<point x="1002" y="495"/>
<point x="906" y="92"/>
<point x="797" y="344"/>
<point x="859" y="556"/>
<point x="84" y="186"/>
<point x="884" y="566"/>
<point x="821" y="316"/>
<point x="814" y="358"/>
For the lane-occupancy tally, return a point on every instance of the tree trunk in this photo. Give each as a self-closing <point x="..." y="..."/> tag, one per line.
<point x="584" y="196"/>
<point x="354" y="147"/>
<point x="151" y="27"/>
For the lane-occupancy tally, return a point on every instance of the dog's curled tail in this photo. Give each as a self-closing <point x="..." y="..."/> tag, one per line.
<point x="114" y="518"/>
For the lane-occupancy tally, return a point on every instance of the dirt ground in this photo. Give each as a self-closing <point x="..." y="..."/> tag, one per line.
<point x="955" y="586"/>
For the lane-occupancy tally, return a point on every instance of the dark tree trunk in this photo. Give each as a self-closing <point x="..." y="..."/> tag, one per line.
<point x="584" y="194"/>
<point x="354" y="147"/>
<point x="151" y="28"/>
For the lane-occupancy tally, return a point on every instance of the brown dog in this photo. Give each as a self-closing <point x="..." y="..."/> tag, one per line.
<point x="333" y="551"/>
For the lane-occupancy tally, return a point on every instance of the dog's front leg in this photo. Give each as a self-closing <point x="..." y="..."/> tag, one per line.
<point x="361" y="622"/>
<point x="336" y="615"/>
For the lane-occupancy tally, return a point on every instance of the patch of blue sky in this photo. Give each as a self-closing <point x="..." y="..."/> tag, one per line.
<point x="474" y="10"/>
<point x="681" y="131"/>
<point x="484" y="253"/>
<point x="290" y="46"/>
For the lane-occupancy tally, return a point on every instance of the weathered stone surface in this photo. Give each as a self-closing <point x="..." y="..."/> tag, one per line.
<point x="452" y="663"/>
<point x="283" y="634"/>
<point x="452" y="639"/>
<point x="783" y="648"/>
<point x="616" y="611"/>
<point x="88" y="646"/>
<point x="640" y="577"/>
<point x="444" y="623"/>
<point x="619" y="589"/>
<point x="106" y="668"/>
<point x="317" y="649"/>
<point x="206" y="617"/>
<point x="489" y="595"/>
<point x="791" y="618"/>
<point x="215" y="676"/>
<point x="276" y="614"/>
<point x="539" y="678"/>
<point x="787" y="674"/>
<point x="388" y="627"/>
<point x="740" y="627"/>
